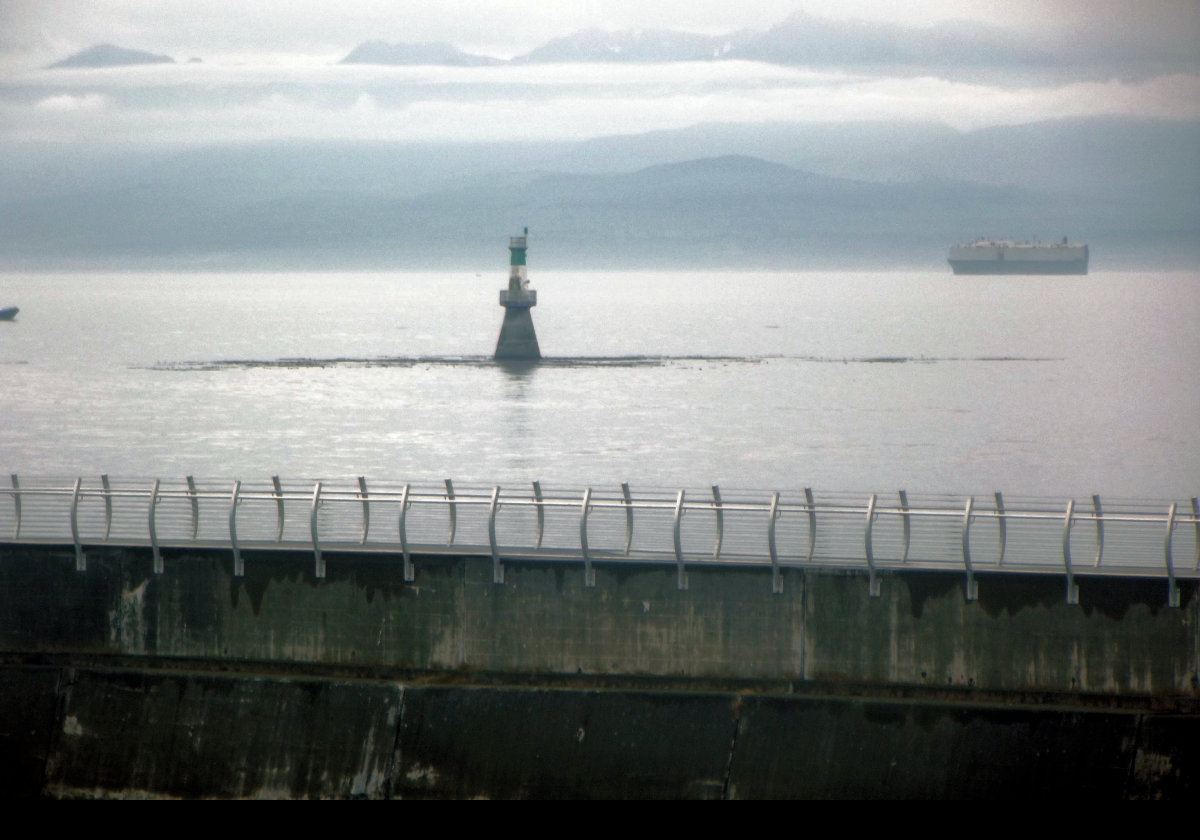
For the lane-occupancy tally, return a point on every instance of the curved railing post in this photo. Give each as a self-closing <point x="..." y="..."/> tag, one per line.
<point x="191" y="489"/>
<point x="720" y="514"/>
<point x="872" y="579"/>
<point x="1172" y="588"/>
<point x="366" y="509"/>
<point x="277" y="492"/>
<point x="811" y="507"/>
<point x="312" y="526"/>
<point x="239" y="568"/>
<point x="453" y="512"/>
<point x="16" y="495"/>
<point x="150" y="524"/>
<point x="589" y="574"/>
<point x="497" y="569"/>
<point x="1002" y="525"/>
<point x="80" y="560"/>
<point x="906" y="525"/>
<point x="1196" y="525"/>
<point x="541" y="514"/>
<point x="107" y="490"/>
<point x="776" y="577"/>
<point x="627" y="500"/>
<point x="409" y="574"/>
<point x="1099" y="511"/>
<point x="1072" y="586"/>
<point x="972" y="585"/>
<point x="681" y="581"/>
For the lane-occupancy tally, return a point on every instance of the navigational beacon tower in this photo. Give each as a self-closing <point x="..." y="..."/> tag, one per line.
<point x="518" y="340"/>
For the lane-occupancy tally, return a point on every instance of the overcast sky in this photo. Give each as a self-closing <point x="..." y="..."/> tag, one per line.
<point x="268" y="69"/>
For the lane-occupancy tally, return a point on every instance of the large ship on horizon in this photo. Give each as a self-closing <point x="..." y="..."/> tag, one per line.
<point x="1002" y="256"/>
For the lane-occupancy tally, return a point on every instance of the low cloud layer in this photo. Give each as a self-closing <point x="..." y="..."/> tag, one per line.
<point x="191" y="103"/>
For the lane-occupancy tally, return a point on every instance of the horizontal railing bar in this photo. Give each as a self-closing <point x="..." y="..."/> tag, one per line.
<point x="389" y="497"/>
<point x="122" y="540"/>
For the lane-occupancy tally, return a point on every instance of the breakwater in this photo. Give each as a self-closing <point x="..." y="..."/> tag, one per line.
<point x="120" y="680"/>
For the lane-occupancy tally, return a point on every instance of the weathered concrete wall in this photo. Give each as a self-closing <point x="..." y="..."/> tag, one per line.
<point x="540" y="686"/>
<point x="1020" y="636"/>
<point x="68" y="732"/>
<point x="550" y="743"/>
<point x="29" y="720"/>
<point x="128" y="733"/>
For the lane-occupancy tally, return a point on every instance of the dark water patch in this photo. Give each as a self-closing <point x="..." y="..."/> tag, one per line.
<point x="561" y="361"/>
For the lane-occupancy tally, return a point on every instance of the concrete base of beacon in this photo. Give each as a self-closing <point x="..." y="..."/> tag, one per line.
<point x="518" y="339"/>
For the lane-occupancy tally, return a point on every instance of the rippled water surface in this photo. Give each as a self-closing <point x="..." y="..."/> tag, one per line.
<point x="844" y="381"/>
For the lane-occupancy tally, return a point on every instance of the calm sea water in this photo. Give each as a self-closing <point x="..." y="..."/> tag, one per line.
<point x="840" y="381"/>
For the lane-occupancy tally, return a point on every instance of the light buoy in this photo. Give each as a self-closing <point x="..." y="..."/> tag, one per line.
<point x="518" y="339"/>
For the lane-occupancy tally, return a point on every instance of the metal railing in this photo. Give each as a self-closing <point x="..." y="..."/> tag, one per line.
<point x="1126" y="538"/>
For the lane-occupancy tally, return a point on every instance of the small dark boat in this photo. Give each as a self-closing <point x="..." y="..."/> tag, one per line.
<point x="8" y="313"/>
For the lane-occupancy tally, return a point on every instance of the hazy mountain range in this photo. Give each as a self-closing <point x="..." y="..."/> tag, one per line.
<point x="807" y="41"/>
<point x="949" y="49"/>
<point x="785" y="196"/>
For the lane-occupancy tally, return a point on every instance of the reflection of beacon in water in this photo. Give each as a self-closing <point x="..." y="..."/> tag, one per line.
<point x="518" y="340"/>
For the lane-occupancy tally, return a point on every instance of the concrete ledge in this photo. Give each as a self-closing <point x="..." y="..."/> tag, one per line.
<point x="1019" y="637"/>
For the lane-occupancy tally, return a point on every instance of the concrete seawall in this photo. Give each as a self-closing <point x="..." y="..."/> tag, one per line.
<point x="135" y="733"/>
<point x="197" y="683"/>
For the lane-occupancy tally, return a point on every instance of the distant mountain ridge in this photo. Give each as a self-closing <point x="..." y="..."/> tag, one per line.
<point x="1122" y="186"/>
<point x="108" y="55"/>
<point x="800" y="39"/>
<point x="949" y="49"/>
<point x="812" y="41"/>
<point x="378" y="52"/>
<point x="958" y="48"/>
<point x="633" y="45"/>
